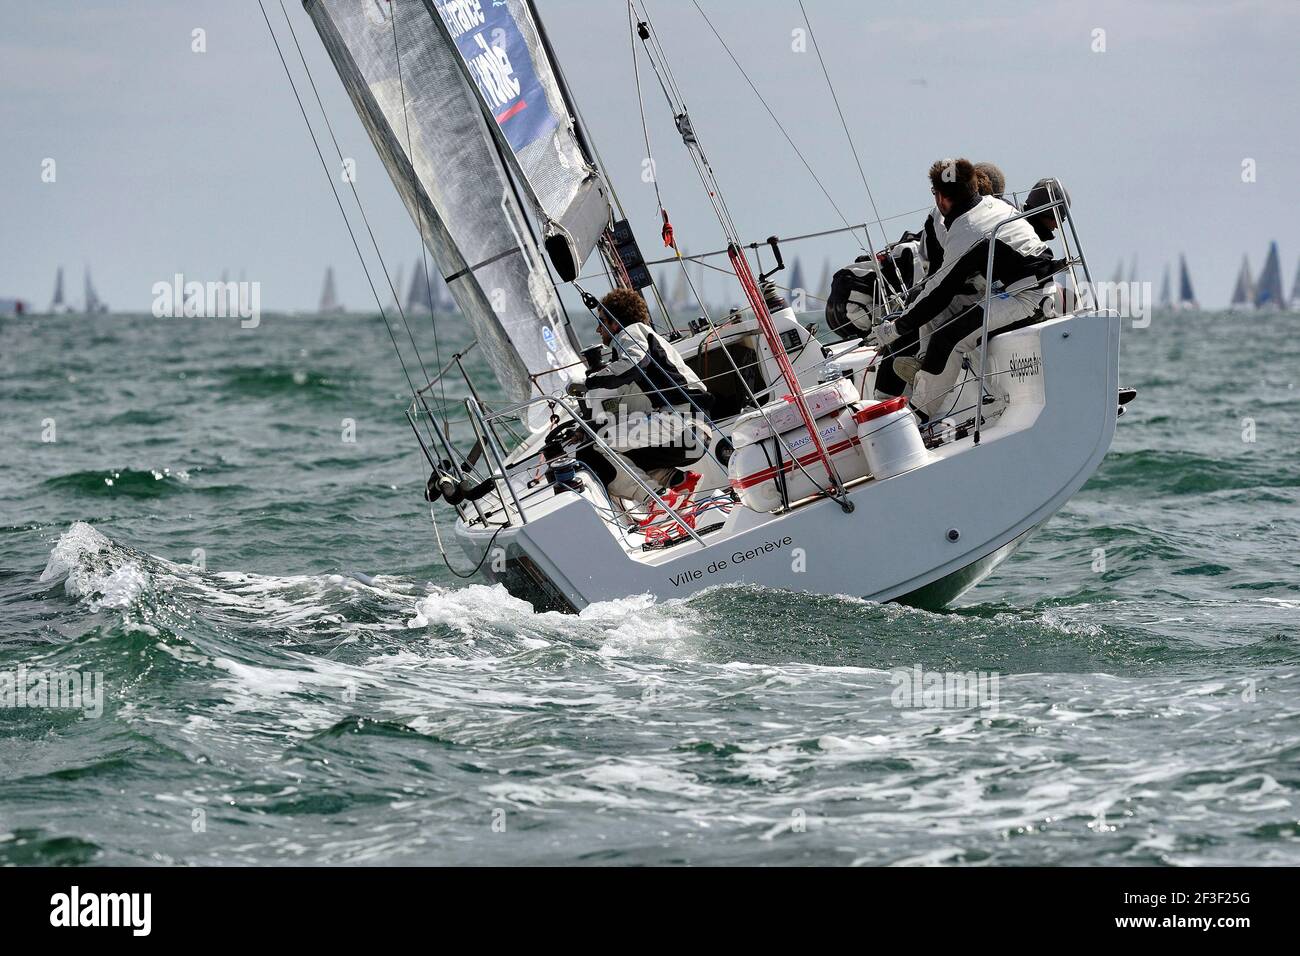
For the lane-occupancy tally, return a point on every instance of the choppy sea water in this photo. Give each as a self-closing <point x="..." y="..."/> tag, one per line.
<point x="290" y="674"/>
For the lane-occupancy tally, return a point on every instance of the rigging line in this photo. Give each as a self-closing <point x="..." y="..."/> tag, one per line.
<point x="788" y="138"/>
<point x="645" y="132"/>
<point x="710" y="182"/>
<point x="339" y="150"/>
<point x="419" y="213"/>
<point x="844" y="122"/>
<point x="347" y="222"/>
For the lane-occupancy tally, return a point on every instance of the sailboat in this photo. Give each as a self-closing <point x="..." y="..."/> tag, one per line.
<point x="1269" y="295"/>
<point x="1165" y="301"/>
<point x="329" y="298"/>
<point x="93" y="305"/>
<point x="1186" y="297"/>
<point x="810" y="486"/>
<point x="58" y="305"/>
<point x="1295" y="290"/>
<point x="1243" y="294"/>
<point x="418" y="299"/>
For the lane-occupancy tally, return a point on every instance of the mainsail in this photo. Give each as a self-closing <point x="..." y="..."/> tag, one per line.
<point x="505" y="53"/>
<point x="1165" y="301"/>
<point x="407" y="83"/>
<point x="1295" y="290"/>
<point x="1186" y="297"/>
<point x="1269" y="294"/>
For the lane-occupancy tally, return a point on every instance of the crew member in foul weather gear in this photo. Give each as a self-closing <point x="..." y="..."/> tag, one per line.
<point x="948" y="312"/>
<point x="650" y="405"/>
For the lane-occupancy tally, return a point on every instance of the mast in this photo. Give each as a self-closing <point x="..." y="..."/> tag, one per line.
<point x="741" y="266"/>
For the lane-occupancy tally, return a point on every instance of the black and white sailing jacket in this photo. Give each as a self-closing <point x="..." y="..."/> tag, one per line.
<point x="1022" y="262"/>
<point x="644" y="358"/>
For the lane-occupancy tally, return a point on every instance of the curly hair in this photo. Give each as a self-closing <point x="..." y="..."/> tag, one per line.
<point x="626" y="306"/>
<point x="954" y="179"/>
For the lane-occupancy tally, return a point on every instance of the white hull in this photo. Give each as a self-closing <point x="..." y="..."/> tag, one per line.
<point x="924" y="537"/>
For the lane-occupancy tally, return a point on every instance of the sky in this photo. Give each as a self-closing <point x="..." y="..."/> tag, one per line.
<point x="168" y="160"/>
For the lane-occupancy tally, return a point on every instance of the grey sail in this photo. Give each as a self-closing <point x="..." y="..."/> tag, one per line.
<point x="1295" y="290"/>
<point x="1243" y="295"/>
<point x="1186" y="297"/>
<point x="427" y="125"/>
<point x="418" y="300"/>
<point x="1165" y="300"/>
<point x="505" y="54"/>
<point x="1269" y="295"/>
<point x="56" y="303"/>
<point x="329" y="297"/>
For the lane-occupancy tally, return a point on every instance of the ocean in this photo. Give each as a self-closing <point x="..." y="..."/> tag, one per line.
<point x="285" y="672"/>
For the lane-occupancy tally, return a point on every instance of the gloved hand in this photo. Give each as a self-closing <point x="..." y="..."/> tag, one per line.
<point x="885" y="334"/>
<point x="576" y="389"/>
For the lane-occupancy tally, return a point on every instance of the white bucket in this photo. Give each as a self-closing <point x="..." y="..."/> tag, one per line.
<point x="890" y="438"/>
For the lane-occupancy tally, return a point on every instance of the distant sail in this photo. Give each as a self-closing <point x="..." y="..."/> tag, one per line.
<point x="329" y="299"/>
<point x="824" y="286"/>
<point x="796" y="279"/>
<point x="1243" y="296"/>
<point x="1295" y="290"/>
<point x="1269" y="295"/>
<point x="1186" y="297"/>
<point x="93" y="304"/>
<point x="56" y="303"/>
<point x="418" y="300"/>
<point x="1165" y="300"/>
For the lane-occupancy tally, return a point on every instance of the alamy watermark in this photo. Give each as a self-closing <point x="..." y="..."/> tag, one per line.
<point x="180" y="299"/>
<point x="950" y="690"/>
<point x="39" y="688"/>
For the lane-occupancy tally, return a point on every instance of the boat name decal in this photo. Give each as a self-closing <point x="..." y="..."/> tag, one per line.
<point x="737" y="557"/>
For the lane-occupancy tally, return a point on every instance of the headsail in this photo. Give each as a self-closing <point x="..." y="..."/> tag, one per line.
<point x="1243" y="296"/>
<point x="1186" y="297"/>
<point x="408" y="86"/>
<point x="505" y="53"/>
<point x="1269" y="294"/>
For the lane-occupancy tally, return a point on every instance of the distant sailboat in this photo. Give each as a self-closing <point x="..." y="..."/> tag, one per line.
<point x="1165" y="301"/>
<point x="93" y="304"/>
<point x="1295" y="290"/>
<point x="796" y="277"/>
<point x="824" y="286"/>
<point x="1269" y="296"/>
<point x="57" y="304"/>
<point x="1243" y="296"/>
<point x="418" y="300"/>
<point x="329" y="298"/>
<point x="1186" y="297"/>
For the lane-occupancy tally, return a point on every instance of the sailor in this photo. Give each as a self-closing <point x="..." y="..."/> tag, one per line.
<point x="649" y="403"/>
<point x="950" y="307"/>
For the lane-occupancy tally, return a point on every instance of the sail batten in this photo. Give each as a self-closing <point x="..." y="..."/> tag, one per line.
<point x="408" y="87"/>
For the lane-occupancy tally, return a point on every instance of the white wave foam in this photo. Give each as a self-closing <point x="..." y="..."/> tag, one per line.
<point x="83" y="559"/>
